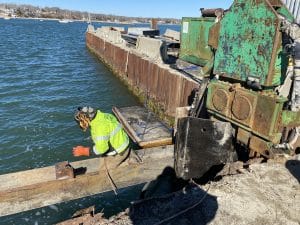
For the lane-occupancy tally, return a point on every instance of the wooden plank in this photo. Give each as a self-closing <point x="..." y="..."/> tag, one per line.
<point x="155" y="143"/>
<point x="41" y="188"/>
<point x="29" y="177"/>
<point x="143" y="127"/>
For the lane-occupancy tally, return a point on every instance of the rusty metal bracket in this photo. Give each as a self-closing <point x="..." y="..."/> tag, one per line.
<point x="64" y="170"/>
<point x="259" y="147"/>
<point x="199" y="99"/>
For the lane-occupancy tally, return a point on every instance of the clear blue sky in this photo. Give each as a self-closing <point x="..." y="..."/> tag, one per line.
<point x="142" y="8"/>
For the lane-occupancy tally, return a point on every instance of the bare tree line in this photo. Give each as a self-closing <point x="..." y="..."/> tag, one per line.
<point x="29" y="11"/>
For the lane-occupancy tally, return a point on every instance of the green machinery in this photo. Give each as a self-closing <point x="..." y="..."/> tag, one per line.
<point x="249" y="57"/>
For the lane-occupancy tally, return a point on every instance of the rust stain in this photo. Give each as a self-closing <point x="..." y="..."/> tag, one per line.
<point x="214" y="34"/>
<point x="263" y="115"/>
<point x="220" y="99"/>
<point x="241" y="107"/>
<point x="260" y="146"/>
<point x="162" y="86"/>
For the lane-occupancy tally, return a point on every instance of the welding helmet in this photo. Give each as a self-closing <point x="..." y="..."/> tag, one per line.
<point x="83" y="116"/>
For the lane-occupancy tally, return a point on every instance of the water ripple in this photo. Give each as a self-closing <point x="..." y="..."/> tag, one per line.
<point x="46" y="72"/>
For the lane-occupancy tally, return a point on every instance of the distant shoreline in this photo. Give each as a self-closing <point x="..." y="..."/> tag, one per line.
<point x="77" y="20"/>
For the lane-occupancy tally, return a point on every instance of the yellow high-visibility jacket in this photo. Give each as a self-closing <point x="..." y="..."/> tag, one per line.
<point x="106" y="129"/>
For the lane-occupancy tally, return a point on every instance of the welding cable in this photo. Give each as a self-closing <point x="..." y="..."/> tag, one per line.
<point x="112" y="183"/>
<point x="189" y="208"/>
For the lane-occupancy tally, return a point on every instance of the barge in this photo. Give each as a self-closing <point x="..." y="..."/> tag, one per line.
<point x="143" y="70"/>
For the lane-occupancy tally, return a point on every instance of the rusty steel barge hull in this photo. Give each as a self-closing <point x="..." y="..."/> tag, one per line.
<point x="166" y="88"/>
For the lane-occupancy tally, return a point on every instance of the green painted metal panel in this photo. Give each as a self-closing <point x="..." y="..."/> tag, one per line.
<point x="286" y="13"/>
<point x="194" y="40"/>
<point x="265" y="110"/>
<point x="290" y="119"/>
<point x="250" y="44"/>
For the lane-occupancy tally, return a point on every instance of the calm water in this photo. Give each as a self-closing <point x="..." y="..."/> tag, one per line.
<point x="46" y="72"/>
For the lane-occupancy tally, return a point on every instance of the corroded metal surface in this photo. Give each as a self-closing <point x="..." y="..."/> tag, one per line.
<point x="165" y="87"/>
<point x="257" y="112"/>
<point x="250" y="43"/>
<point x="243" y="136"/>
<point x="260" y="147"/>
<point x="220" y="100"/>
<point x="64" y="170"/>
<point x="193" y="158"/>
<point x="290" y="119"/>
<point x="213" y="37"/>
<point x="194" y="40"/>
<point x="26" y="190"/>
<point x="241" y="107"/>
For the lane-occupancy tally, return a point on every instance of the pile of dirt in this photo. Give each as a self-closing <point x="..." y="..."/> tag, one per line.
<point x="268" y="194"/>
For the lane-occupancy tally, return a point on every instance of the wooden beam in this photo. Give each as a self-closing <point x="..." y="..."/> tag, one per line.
<point x="26" y="190"/>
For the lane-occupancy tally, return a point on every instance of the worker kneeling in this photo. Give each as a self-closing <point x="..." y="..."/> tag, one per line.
<point x="108" y="136"/>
